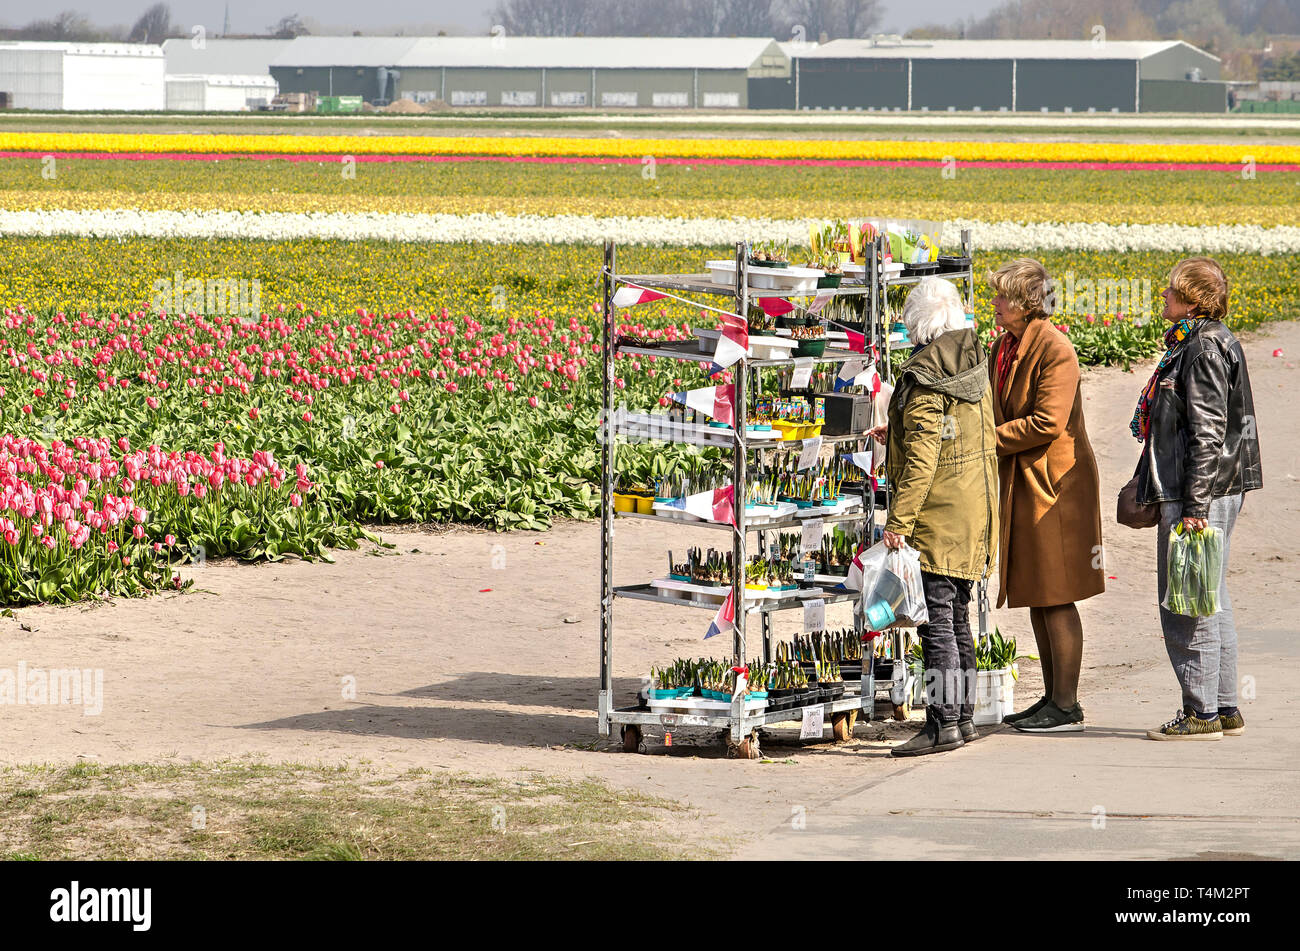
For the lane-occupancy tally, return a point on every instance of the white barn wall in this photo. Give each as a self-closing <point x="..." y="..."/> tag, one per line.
<point x="33" y="76"/>
<point x="93" y="81"/>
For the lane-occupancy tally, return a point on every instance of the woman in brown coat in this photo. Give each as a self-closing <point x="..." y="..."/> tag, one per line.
<point x="1050" y="493"/>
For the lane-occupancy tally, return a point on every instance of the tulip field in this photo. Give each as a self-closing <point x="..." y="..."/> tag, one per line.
<point x="424" y="378"/>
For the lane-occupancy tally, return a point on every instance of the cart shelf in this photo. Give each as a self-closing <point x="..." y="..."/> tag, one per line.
<point x="689" y="350"/>
<point x="702" y="284"/>
<point x="785" y="524"/>
<point x="647" y="592"/>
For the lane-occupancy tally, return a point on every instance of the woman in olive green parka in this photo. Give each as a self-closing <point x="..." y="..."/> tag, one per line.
<point x="941" y="462"/>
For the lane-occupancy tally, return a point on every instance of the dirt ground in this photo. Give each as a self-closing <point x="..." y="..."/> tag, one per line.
<point x="471" y="657"/>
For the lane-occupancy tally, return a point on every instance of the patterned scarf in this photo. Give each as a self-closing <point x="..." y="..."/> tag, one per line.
<point x="1174" y="338"/>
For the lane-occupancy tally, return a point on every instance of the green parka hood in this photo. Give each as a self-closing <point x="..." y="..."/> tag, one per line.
<point x="953" y="364"/>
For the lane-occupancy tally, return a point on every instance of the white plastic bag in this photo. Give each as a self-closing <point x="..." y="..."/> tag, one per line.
<point x="892" y="593"/>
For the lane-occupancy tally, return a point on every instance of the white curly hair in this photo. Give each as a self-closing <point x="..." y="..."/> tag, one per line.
<point x="932" y="309"/>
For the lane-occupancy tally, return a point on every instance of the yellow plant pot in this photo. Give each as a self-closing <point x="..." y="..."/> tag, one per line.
<point x="624" y="503"/>
<point x="645" y="505"/>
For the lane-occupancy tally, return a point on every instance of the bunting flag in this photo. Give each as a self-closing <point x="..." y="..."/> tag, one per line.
<point x="865" y="462"/>
<point x="716" y="402"/>
<point x="857" y="342"/>
<point x="820" y="301"/>
<point x="732" y="344"/>
<point x="775" y="306"/>
<point x="715" y="505"/>
<point x="725" y="619"/>
<point x="853" y="581"/>
<point x="630" y="296"/>
<point x="858" y="373"/>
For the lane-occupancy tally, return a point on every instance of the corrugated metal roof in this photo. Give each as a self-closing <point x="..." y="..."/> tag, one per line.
<point x="992" y="49"/>
<point x="585" y="52"/>
<point x="222" y="57"/>
<point x="314" y="51"/>
<point x="213" y="79"/>
<point x="84" y="49"/>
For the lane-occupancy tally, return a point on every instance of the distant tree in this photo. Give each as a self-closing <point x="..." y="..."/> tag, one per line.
<point x="745" y="18"/>
<point x="545" y="17"/>
<point x="1280" y="69"/>
<point x="154" y="25"/>
<point x="67" y="27"/>
<point x="833" y="19"/>
<point x="290" y="26"/>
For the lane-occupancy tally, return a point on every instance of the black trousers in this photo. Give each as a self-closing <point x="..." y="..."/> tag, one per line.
<point x="948" y="649"/>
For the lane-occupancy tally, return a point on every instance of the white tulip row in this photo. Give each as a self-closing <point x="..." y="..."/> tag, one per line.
<point x="586" y="229"/>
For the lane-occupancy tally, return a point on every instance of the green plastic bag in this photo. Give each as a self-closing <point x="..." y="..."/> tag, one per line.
<point x="1195" y="572"/>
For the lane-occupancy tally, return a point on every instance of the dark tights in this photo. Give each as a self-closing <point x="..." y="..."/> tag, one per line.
<point x="1059" y="634"/>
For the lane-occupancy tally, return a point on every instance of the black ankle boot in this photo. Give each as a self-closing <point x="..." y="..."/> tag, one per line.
<point x="934" y="738"/>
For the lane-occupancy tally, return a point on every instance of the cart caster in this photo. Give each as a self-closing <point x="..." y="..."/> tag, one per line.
<point x="632" y="738"/>
<point x="902" y="711"/>
<point x="841" y="728"/>
<point x="745" y="749"/>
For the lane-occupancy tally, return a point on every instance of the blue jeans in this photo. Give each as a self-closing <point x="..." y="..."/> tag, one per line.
<point x="1203" y="650"/>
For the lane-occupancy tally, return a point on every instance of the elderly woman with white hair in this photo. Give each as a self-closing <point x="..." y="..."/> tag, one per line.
<point x="941" y="461"/>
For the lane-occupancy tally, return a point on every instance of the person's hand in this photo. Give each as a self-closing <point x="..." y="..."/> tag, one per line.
<point x="1195" y="524"/>
<point x="893" y="540"/>
<point x="879" y="433"/>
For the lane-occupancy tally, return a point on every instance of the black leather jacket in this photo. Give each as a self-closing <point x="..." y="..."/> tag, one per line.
<point x="1202" y="443"/>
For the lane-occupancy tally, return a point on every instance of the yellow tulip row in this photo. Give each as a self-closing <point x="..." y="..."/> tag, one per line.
<point x="637" y="148"/>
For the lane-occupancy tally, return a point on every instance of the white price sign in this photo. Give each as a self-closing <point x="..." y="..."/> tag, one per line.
<point x="814" y="722"/>
<point x="812" y="448"/>
<point x="812" y="534"/>
<point x="803" y="367"/>
<point x="814" y="615"/>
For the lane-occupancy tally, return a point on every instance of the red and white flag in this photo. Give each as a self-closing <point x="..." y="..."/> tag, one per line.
<point x="732" y="344"/>
<point x="775" y="306"/>
<point x="717" y="402"/>
<point x="725" y="619"/>
<point x="629" y="296"/>
<point x="714" y="505"/>
<point x="857" y="342"/>
<point x="858" y="373"/>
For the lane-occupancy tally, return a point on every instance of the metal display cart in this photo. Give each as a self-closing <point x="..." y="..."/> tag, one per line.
<point x="739" y="722"/>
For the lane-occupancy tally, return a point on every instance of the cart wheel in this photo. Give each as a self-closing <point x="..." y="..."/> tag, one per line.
<point x="901" y="711"/>
<point x="631" y="738"/>
<point x="840" y="728"/>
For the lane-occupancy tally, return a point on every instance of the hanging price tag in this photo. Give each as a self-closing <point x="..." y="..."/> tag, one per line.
<point x="812" y="448"/>
<point x="814" y="723"/>
<point x="803" y="367"/>
<point x="812" y="534"/>
<point x="814" y="615"/>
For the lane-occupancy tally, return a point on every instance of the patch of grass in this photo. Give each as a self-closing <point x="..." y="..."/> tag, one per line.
<point x="243" y="810"/>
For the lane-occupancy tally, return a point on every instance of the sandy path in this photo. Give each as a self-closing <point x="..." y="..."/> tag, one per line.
<point x="448" y="675"/>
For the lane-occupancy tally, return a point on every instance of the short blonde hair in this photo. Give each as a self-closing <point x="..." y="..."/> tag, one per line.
<point x="1025" y="283"/>
<point x="1201" y="283"/>
<point x="932" y="309"/>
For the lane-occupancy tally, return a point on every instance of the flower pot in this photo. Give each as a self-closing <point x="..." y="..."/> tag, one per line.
<point x="668" y="693"/>
<point x="994" y="695"/>
<point x="829" y="280"/>
<point x="624" y="503"/>
<point x="811" y="348"/>
<point x="645" y="504"/>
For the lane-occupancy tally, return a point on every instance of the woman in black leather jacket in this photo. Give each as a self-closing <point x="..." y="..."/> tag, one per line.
<point x="1200" y="455"/>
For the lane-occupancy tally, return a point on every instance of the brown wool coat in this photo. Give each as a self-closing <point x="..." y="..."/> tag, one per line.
<point x="1050" y="490"/>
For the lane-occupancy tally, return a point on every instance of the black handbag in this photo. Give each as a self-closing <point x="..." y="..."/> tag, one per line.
<point x="1129" y="511"/>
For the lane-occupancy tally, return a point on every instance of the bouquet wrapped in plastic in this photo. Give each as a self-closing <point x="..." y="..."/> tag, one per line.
<point x="1195" y="572"/>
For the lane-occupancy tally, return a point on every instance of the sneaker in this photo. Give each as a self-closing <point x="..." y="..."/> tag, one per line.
<point x="1025" y="714"/>
<point x="1052" y="719"/>
<point x="1234" y="724"/>
<point x="933" y="738"/>
<point x="967" y="729"/>
<point x="1186" y="726"/>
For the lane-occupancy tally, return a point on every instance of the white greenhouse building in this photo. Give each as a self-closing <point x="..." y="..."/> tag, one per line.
<point x="83" y="76"/>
